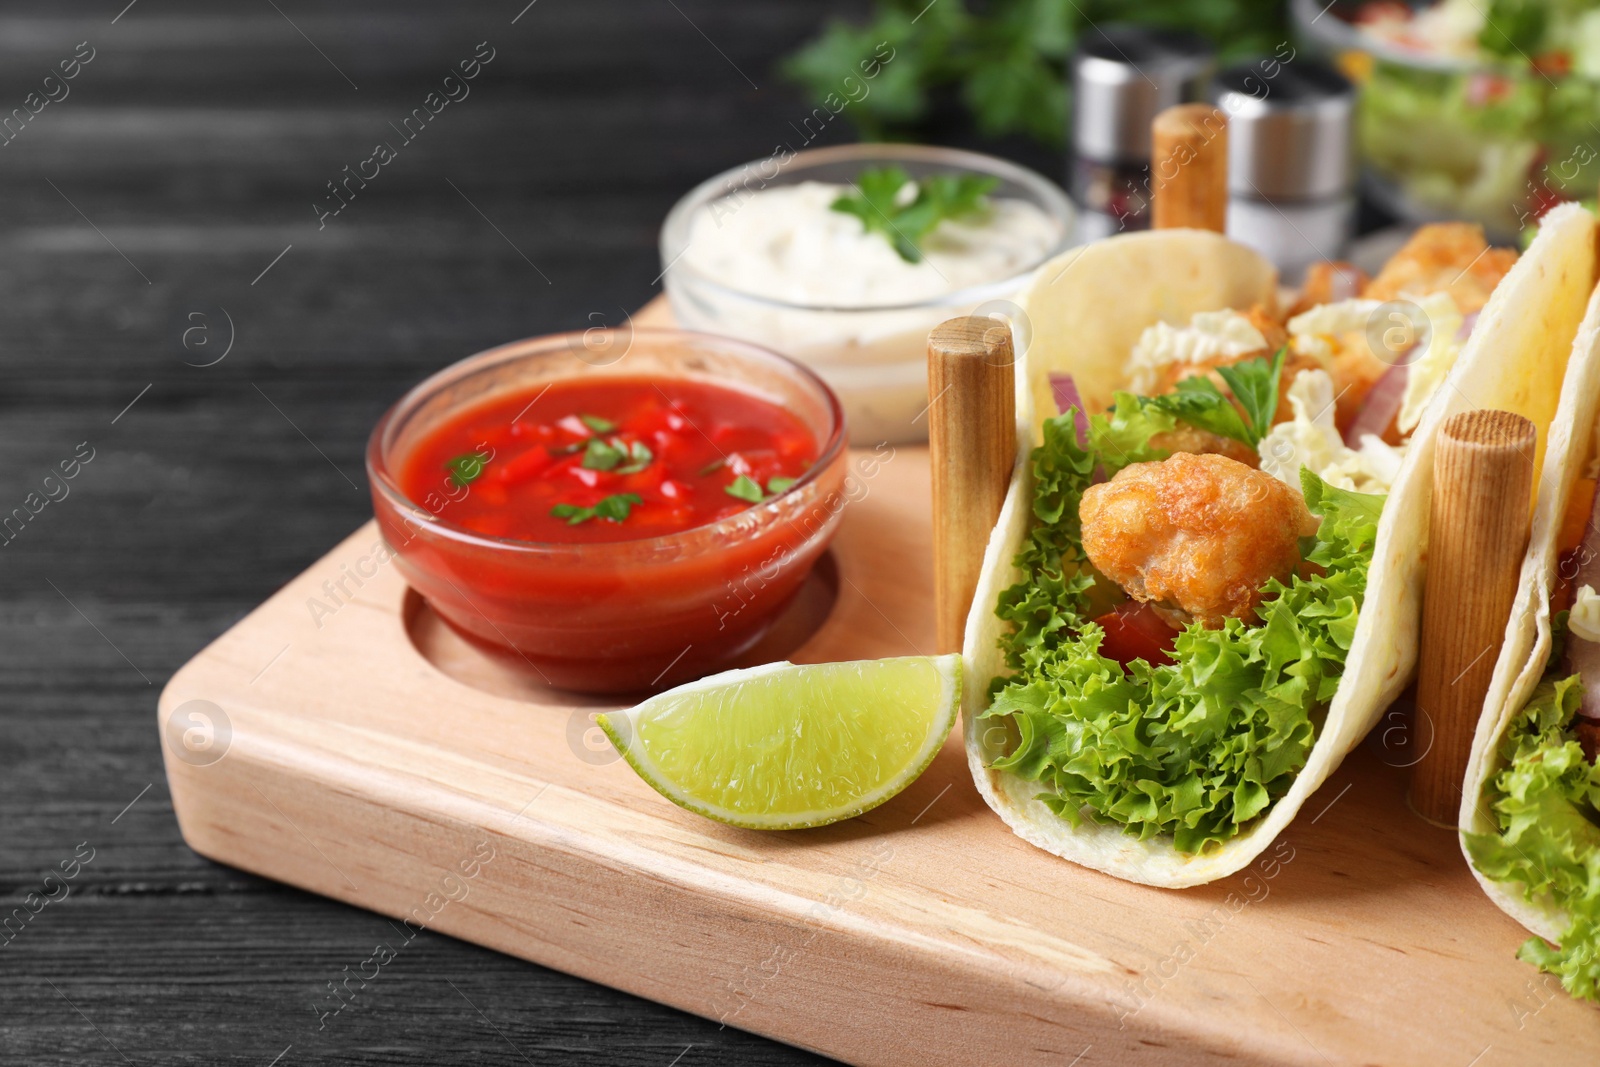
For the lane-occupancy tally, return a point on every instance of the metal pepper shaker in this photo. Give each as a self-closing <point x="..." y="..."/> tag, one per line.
<point x="1291" y="158"/>
<point x="1121" y="77"/>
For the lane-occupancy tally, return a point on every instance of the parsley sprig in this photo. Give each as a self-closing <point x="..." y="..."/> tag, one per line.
<point x="881" y="205"/>
<point x="1198" y="401"/>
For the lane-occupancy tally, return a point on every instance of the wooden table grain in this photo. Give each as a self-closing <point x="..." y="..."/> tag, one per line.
<point x="173" y="308"/>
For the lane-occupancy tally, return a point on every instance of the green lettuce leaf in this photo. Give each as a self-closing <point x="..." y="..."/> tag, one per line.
<point x="1546" y="802"/>
<point x="1198" y="748"/>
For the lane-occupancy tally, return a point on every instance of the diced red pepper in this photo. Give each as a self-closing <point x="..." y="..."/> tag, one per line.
<point x="592" y="478"/>
<point x="527" y="465"/>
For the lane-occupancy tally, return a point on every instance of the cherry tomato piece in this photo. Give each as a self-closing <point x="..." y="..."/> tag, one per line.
<point x="1135" y="631"/>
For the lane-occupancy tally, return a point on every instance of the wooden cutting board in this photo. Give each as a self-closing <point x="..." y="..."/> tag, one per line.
<point x="368" y="754"/>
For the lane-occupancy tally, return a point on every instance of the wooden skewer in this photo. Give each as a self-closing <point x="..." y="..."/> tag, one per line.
<point x="972" y="444"/>
<point x="1478" y="533"/>
<point x="1189" y="168"/>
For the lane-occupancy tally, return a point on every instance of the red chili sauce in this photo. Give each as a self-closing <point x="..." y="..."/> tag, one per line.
<point x="607" y="459"/>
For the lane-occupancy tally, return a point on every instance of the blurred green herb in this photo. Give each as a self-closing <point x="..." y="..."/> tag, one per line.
<point x="616" y="507"/>
<point x="601" y="455"/>
<point x="639" y="457"/>
<point x="1006" y="58"/>
<point x="747" y="488"/>
<point x="466" y="469"/>
<point x="597" y="424"/>
<point x="904" y="222"/>
<point x="1514" y="27"/>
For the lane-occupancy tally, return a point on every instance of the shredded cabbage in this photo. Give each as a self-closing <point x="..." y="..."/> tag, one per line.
<point x="1209" y="336"/>
<point x="1428" y="372"/>
<point x="1311" y="441"/>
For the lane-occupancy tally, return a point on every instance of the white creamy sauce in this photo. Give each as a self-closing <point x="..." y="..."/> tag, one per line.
<point x="787" y="243"/>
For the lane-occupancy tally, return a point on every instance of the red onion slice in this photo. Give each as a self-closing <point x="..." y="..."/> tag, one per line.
<point x="1065" y="391"/>
<point x="1380" y="406"/>
<point x="1387" y="395"/>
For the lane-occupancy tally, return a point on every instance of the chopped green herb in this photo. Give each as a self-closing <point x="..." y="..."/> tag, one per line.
<point x="713" y="467"/>
<point x="597" y="424"/>
<point x="639" y="457"/>
<point x="745" y="488"/>
<point x="616" y="507"/>
<point x="467" y="468"/>
<point x="880" y="204"/>
<point x="567" y="450"/>
<point x="601" y="455"/>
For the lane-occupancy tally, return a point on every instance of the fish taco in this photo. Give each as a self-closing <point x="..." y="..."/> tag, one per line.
<point x="1530" y="812"/>
<point x="1204" y="586"/>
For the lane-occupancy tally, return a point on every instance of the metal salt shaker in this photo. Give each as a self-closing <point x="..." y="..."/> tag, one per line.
<point x="1121" y="77"/>
<point x="1291" y="158"/>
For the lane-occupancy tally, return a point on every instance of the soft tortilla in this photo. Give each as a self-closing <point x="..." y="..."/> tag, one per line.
<point x="1526" y="647"/>
<point x="1101" y="296"/>
<point x="1136" y="280"/>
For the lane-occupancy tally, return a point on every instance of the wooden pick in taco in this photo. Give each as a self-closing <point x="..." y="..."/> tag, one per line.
<point x="1204" y="585"/>
<point x="1530" y="811"/>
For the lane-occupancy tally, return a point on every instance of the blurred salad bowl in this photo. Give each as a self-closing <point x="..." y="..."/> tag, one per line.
<point x="1474" y="109"/>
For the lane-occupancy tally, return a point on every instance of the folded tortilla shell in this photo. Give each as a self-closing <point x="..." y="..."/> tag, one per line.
<point x="1527" y="642"/>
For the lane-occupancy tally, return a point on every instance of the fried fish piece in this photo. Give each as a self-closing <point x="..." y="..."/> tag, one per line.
<point x="1185" y="437"/>
<point x="1199" y="533"/>
<point x="1327" y="282"/>
<point x="1448" y="257"/>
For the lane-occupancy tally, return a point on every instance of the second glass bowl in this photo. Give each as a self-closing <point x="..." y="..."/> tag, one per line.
<point x="875" y="357"/>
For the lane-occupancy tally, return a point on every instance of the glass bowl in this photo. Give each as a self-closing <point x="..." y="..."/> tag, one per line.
<point x="1459" y="136"/>
<point x="874" y="356"/>
<point x="620" y="616"/>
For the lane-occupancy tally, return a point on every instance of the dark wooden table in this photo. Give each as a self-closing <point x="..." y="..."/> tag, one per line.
<point x="176" y="176"/>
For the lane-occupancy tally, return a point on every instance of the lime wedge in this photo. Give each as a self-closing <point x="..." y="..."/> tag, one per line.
<point x="785" y="746"/>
